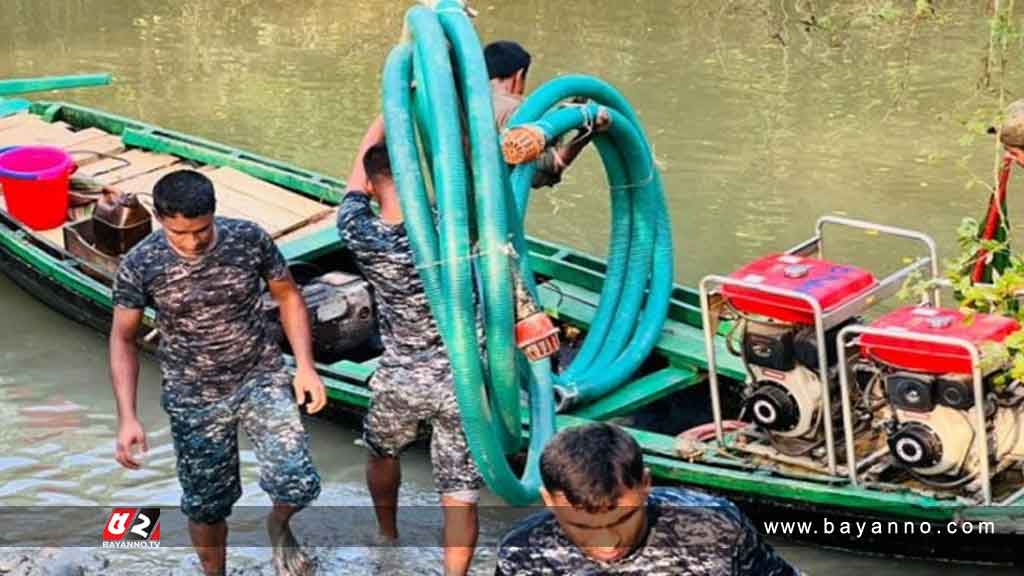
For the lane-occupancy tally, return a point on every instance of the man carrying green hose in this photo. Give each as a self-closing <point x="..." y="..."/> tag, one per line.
<point x="507" y="65"/>
<point x="221" y="368"/>
<point x="413" y="380"/>
<point x="604" y="518"/>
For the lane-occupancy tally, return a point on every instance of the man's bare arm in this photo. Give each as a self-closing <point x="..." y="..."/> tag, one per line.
<point x="374" y="133"/>
<point x="567" y="153"/>
<point x="124" y="359"/>
<point x="295" y="322"/>
<point x="124" y="376"/>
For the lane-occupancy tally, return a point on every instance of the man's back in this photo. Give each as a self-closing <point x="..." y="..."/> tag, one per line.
<point x="688" y="533"/>
<point x="385" y="257"/>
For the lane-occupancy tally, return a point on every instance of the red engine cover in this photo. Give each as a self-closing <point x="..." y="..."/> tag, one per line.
<point x="830" y="284"/>
<point x="933" y="358"/>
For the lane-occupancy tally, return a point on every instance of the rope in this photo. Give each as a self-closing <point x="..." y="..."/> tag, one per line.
<point x="505" y="249"/>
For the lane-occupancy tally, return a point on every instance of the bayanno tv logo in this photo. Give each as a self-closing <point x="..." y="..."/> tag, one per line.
<point x="132" y="528"/>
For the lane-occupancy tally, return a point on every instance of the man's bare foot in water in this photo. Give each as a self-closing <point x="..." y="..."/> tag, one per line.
<point x="288" y="557"/>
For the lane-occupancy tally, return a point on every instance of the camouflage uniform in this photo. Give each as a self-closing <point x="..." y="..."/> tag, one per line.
<point x="413" y="382"/>
<point x="220" y="368"/>
<point x="688" y="533"/>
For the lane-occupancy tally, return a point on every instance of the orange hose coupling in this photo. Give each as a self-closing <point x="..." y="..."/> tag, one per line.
<point x="537" y="336"/>
<point x="522" y="144"/>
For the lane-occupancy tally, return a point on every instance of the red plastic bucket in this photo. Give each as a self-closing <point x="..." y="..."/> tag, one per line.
<point x="35" y="184"/>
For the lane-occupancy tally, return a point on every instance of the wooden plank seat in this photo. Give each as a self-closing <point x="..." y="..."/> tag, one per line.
<point x="93" y="150"/>
<point x="279" y="211"/>
<point x="36" y="132"/>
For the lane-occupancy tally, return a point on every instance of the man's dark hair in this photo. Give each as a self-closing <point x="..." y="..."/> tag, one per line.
<point x="376" y="161"/>
<point x="186" y="193"/>
<point x="592" y="465"/>
<point x="505" y="58"/>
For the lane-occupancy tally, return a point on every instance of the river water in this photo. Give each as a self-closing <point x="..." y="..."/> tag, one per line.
<point x="763" y="115"/>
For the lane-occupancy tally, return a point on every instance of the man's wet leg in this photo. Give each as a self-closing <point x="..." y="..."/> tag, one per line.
<point x="383" y="477"/>
<point x="210" y="542"/>
<point x="460" y="534"/>
<point x="288" y="556"/>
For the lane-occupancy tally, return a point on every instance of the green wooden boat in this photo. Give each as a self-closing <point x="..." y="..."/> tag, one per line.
<point x="669" y="395"/>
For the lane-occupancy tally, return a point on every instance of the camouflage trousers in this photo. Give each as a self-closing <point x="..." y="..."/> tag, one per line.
<point x="406" y="398"/>
<point x="205" y="438"/>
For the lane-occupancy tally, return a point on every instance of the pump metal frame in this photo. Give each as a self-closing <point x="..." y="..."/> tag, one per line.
<point x="823" y="319"/>
<point x="981" y="437"/>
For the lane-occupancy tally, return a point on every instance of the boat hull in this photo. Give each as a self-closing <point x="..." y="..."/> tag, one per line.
<point x="48" y="274"/>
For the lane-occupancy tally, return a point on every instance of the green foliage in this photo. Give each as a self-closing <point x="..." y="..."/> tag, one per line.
<point x="1004" y="294"/>
<point x="827" y="24"/>
<point x="873" y="12"/>
<point x="1001" y="296"/>
<point x="888" y="13"/>
<point x="1002" y="27"/>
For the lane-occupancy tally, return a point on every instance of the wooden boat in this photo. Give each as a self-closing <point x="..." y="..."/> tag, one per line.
<point x="669" y="395"/>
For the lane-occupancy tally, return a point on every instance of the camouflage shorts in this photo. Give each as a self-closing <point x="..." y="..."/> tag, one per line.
<point x="206" y="443"/>
<point x="405" y="399"/>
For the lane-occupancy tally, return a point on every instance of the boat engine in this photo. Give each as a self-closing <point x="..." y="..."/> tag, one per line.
<point x="930" y="423"/>
<point x="779" y="346"/>
<point x="341" y="315"/>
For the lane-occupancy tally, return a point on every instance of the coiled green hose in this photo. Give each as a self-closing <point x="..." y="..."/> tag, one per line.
<point x="640" y="248"/>
<point x="441" y="53"/>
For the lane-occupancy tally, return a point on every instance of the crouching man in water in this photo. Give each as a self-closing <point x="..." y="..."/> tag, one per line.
<point x="604" y="518"/>
<point x="220" y="368"/>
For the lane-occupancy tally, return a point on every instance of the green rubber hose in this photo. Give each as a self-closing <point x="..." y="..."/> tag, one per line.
<point x="441" y="53"/>
<point x="489" y="186"/>
<point x="640" y="250"/>
<point x="443" y="255"/>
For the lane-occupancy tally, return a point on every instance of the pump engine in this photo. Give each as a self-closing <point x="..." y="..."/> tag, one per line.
<point x="929" y="390"/>
<point x="341" y="315"/>
<point x="785" y="395"/>
<point x="780" y="348"/>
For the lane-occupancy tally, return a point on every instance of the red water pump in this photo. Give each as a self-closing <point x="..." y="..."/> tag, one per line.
<point x="929" y="391"/>
<point x="786" y="312"/>
<point x="780" y="344"/>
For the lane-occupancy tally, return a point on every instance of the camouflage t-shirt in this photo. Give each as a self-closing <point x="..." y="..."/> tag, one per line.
<point x="212" y="327"/>
<point x="689" y="534"/>
<point x="412" y="341"/>
<point x="410" y="336"/>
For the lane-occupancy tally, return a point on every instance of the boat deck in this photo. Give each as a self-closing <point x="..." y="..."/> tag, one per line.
<point x="283" y="213"/>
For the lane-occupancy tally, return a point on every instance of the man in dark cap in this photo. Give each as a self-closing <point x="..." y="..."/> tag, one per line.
<point x="507" y="65"/>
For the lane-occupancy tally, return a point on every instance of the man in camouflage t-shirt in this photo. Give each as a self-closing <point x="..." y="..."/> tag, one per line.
<point x="603" y="518"/>
<point x="221" y="369"/>
<point x="413" y="383"/>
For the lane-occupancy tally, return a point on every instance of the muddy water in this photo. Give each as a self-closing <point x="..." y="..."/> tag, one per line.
<point x="763" y="116"/>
